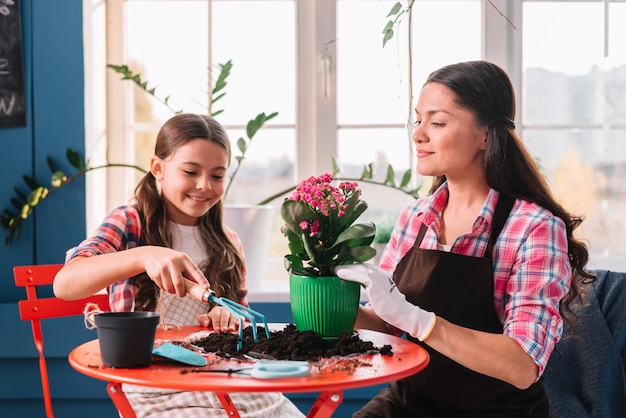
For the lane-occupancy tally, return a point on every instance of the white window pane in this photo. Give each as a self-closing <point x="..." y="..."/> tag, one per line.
<point x="167" y="43"/>
<point x="358" y="147"/>
<point x="586" y="169"/>
<point x="267" y="168"/>
<point x="444" y="32"/>
<point x="585" y="86"/>
<point x="259" y="37"/>
<point x="563" y="37"/>
<point x="371" y="80"/>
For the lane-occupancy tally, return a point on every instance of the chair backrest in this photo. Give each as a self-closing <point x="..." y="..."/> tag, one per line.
<point x="34" y="309"/>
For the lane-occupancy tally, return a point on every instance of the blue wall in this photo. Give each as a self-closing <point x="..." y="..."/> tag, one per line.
<point x="53" y="63"/>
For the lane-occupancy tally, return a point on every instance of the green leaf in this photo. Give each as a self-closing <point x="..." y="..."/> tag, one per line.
<point x="242" y="145"/>
<point x="19" y="193"/>
<point x="257" y="123"/>
<point x="51" y="164"/>
<point x="293" y="212"/>
<point x="414" y="193"/>
<point x="36" y="196"/>
<point x="295" y="242"/>
<point x="5" y="217"/>
<point x="351" y="255"/>
<point x="406" y="178"/>
<point x="26" y="210"/>
<point x="355" y="209"/>
<point x="388" y="34"/>
<point x="220" y="83"/>
<point x="334" y="165"/>
<point x="75" y="159"/>
<point x="17" y="204"/>
<point x="395" y="9"/>
<point x="215" y="99"/>
<point x="31" y="182"/>
<point x="58" y="178"/>
<point x="368" y="171"/>
<point x="390" y="179"/>
<point x="357" y="232"/>
<point x="15" y="228"/>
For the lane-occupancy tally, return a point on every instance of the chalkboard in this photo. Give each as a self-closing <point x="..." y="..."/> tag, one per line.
<point x="12" y="102"/>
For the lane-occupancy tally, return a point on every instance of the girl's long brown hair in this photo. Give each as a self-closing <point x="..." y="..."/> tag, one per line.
<point x="225" y="266"/>
<point x="486" y="90"/>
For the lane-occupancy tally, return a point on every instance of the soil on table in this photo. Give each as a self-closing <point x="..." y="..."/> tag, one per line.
<point x="288" y="344"/>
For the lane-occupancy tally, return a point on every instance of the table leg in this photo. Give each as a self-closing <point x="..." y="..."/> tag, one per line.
<point x="325" y="404"/>
<point x="119" y="400"/>
<point x="228" y="405"/>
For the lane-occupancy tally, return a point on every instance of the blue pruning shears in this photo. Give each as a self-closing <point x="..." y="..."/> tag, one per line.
<point x="270" y="369"/>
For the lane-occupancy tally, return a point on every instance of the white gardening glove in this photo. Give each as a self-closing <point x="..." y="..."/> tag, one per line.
<point x="387" y="301"/>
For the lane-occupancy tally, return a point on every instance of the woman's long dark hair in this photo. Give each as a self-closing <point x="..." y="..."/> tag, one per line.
<point x="485" y="89"/>
<point x="225" y="266"/>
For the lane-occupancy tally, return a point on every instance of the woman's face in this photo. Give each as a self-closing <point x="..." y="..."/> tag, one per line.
<point x="447" y="140"/>
<point x="192" y="179"/>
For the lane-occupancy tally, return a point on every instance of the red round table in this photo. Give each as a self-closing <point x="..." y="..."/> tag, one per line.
<point x="407" y="359"/>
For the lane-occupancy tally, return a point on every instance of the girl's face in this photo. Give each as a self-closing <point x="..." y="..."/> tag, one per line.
<point x="446" y="137"/>
<point x="192" y="179"/>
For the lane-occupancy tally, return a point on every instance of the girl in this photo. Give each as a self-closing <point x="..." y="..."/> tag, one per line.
<point x="479" y="272"/>
<point x="142" y="253"/>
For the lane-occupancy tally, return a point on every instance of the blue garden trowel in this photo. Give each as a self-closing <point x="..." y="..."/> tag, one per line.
<point x="180" y="354"/>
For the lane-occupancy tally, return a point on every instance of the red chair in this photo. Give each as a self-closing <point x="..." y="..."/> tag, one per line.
<point x="34" y="309"/>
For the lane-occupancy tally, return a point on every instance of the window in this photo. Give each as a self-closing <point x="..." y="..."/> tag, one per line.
<point x="574" y="113"/>
<point x="321" y="65"/>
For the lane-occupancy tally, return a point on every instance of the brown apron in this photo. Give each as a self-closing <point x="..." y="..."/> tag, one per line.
<point x="458" y="288"/>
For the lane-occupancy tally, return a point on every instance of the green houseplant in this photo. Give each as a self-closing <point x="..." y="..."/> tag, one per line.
<point x="320" y="224"/>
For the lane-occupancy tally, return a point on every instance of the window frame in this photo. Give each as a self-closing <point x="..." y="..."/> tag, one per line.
<point x="316" y="115"/>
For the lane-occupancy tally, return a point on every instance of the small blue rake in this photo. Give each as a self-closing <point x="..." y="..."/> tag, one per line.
<point x="242" y="312"/>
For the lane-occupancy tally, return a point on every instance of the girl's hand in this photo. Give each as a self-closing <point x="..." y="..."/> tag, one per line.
<point x="221" y="319"/>
<point x="167" y="268"/>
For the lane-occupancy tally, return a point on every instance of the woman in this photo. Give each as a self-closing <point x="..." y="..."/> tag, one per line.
<point x="483" y="268"/>
<point x="142" y="253"/>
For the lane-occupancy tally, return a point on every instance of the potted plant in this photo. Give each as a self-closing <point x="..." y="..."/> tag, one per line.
<point x="320" y="224"/>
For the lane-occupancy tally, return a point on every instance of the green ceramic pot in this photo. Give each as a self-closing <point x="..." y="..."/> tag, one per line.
<point x="325" y="305"/>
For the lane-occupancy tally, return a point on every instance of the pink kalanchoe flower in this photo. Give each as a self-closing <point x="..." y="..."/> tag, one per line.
<point x="348" y="186"/>
<point x="315" y="228"/>
<point x="312" y="211"/>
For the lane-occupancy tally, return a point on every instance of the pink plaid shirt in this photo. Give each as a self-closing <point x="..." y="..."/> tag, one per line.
<point x="121" y="230"/>
<point x="531" y="268"/>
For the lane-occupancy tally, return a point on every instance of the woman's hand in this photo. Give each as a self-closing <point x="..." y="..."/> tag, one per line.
<point x="221" y="320"/>
<point x="167" y="268"/>
<point x="387" y="301"/>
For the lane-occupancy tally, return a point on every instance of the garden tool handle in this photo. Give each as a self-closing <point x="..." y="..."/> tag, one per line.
<point x="197" y="291"/>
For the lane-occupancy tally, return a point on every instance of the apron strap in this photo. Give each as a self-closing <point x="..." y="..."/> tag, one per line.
<point x="501" y="214"/>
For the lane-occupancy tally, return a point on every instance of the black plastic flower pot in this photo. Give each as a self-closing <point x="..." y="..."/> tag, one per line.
<point x="126" y="338"/>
